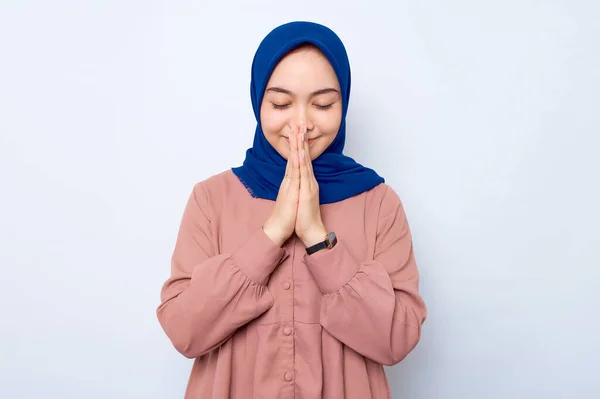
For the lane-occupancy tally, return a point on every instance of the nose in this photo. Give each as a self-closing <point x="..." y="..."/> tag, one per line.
<point x="302" y="117"/>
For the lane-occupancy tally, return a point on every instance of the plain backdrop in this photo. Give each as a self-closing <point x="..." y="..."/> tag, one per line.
<point x="483" y="115"/>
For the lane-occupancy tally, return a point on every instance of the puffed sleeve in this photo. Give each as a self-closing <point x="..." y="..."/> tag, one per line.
<point x="373" y="306"/>
<point x="209" y="295"/>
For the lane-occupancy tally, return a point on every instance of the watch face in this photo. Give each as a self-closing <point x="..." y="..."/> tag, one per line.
<point x="331" y="240"/>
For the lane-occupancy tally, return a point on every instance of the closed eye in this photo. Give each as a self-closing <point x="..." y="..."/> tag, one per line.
<point x="323" y="107"/>
<point x="280" y="106"/>
<point x="319" y="107"/>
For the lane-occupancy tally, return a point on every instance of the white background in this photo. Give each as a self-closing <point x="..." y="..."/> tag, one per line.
<point x="483" y="115"/>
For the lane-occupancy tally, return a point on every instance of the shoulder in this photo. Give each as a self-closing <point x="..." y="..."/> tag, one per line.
<point x="212" y="192"/>
<point x="378" y="203"/>
<point x="388" y="211"/>
<point x="383" y="200"/>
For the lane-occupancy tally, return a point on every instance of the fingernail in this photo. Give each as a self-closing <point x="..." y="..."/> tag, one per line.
<point x="302" y="154"/>
<point x="302" y="137"/>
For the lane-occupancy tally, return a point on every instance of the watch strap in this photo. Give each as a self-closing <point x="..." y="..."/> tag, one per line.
<point x="317" y="247"/>
<point x="329" y="242"/>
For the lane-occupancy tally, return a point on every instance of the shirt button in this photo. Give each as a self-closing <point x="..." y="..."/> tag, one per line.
<point x="286" y="285"/>
<point x="287" y="330"/>
<point x="288" y="376"/>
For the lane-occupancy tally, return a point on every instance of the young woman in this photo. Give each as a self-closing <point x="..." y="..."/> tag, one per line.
<point x="293" y="276"/>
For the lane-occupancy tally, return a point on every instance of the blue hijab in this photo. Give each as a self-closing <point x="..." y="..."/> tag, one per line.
<point x="339" y="176"/>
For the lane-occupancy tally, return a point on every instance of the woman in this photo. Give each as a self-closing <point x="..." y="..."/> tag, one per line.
<point x="293" y="276"/>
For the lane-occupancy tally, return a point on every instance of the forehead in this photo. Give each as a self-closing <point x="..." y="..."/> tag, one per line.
<point x="305" y="65"/>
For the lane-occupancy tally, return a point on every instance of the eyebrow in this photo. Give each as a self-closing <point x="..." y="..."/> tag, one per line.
<point x="314" y="93"/>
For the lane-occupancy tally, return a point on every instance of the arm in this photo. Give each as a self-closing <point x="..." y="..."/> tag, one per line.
<point x="210" y="295"/>
<point x="374" y="306"/>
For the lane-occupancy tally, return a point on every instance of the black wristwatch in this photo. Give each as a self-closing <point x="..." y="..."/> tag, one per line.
<point x="330" y="241"/>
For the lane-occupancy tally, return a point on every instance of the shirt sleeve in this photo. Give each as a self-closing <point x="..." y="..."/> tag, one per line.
<point x="209" y="295"/>
<point x="373" y="306"/>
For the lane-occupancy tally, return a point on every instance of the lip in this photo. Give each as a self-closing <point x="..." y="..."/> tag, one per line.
<point x="309" y="140"/>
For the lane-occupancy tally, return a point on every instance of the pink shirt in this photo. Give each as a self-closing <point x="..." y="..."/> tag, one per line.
<point x="268" y="322"/>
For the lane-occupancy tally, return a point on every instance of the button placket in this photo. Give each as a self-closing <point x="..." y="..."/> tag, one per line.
<point x="287" y="330"/>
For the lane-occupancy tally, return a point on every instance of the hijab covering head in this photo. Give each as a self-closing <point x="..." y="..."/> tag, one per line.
<point x="339" y="176"/>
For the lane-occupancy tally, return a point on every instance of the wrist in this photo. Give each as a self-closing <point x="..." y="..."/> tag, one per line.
<point x="273" y="235"/>
<point x="314" y="236"/>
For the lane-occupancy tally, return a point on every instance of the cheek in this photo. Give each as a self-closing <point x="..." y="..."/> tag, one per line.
<point x="328" y="122"/>
<point x="273" y="123"/>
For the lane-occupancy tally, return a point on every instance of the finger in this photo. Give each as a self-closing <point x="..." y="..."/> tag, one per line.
<point x="309" y="169"/>
<point x="307" y="152"/>
<point x="294" y="155"/>
<point x="302" y="155"/>
<point x="288" y="166"/>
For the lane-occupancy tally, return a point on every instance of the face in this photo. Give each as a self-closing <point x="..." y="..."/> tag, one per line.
<point x="303" y="88"/>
